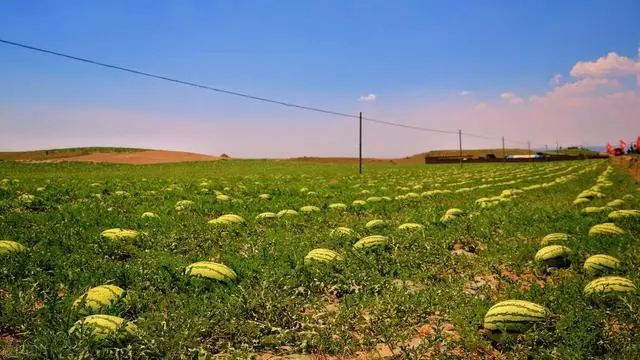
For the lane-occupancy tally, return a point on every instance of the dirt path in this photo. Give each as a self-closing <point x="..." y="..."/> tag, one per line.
<point x="631" y="163"/>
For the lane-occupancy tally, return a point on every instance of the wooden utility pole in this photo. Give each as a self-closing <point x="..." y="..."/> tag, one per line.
<point x="360" y="147"/>
<point x="504" y="155"/>
<point x="460" y="143"/>
<point x="529" y="147"/>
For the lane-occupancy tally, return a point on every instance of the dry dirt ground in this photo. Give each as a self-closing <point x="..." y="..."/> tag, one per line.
<point x="631" y="163"/>
<point x="143" y="157"/>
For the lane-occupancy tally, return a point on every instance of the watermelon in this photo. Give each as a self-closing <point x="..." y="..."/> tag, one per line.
<point x="337" y="206"/>
<point x="610" y="285"/>
<point x="322" y="255"/>
<point x="287" y="212"/>
<point x="232" y="218"/>
<point x="622" y="214"/>
<point x="616" y="203"/>
<point x="605" y="229"/>
<point x="9" y="246"/>
<point x="104" y="326"/>
<point x="149" y="214"/>
<point x="342" y="232"/>
<point x="579" y="201"/>
<point x="120" y="234"/>
<point x="371" y="241"/>
<point x="211" y="270"/>
<point x="553" y="255"/>
<point x="266" y="215"/>
<point x="454" y="212"/>
<point x="411" y="226"/>
<point x="309" y="209"/>
<point x="264" y="196"/>
<point x="377" y="223"/>
<point x="600" y="263"/>
<point x="514" y="316"/>
<point x="98" y="297"/>
<point x="554" y="238"/>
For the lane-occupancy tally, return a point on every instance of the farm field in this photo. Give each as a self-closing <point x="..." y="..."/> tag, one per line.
<point x="419" y="290"/>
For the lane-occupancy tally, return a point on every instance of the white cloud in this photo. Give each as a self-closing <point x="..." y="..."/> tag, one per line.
<point x="556" y="79"/>
<point x="511" y="98"/>
<point x="464" y="93"/>
<point x="370" y="97"/>
<point x="610" y="65"/>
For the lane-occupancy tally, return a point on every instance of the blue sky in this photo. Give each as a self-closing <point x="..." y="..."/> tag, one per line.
<point x="415" y="56"/>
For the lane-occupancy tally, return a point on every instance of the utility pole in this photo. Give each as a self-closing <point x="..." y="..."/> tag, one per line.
<point x="557" y="148"/>
<point x="529" y="147"/>
<point x="460" y="143"/>
<point x="360" y="147"/>
<point x="504" y="156"/>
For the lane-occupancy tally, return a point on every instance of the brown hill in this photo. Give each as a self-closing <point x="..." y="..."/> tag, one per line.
<point x="108" y="155"/>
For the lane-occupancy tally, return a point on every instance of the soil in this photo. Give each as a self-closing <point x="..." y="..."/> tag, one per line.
<point x="143" y="157"/>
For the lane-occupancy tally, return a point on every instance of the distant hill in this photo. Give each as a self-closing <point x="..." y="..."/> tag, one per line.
<point x="52" y="154"/>
<point x="132" y="156"/>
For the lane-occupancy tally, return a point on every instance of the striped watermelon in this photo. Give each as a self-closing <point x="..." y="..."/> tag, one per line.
<point x="309" y="209"/>
<point x="371" y="241"/>
<point x="554" y="238"/>
<point x="605" y="229"/>
<point x="616" y="203"/>
<point x="120" y="234"/>
<point x="264" y="196"/>
<point x="266" y="215"/>
<point x="232" y="218"/>
<point x="622" y="214"/>
<point x="454" y="212"/>
<point x="600" y="263"/>
<point x="514" y="316"/>
<point x="184" y="204"/>
<point x="553" y="255"/>
<point x="377" y="223"/>
<point x="149" y="214"/>
<point x="595" y="209"/>
<point x="287" y="212"/>
<point x="579" y="201"/>
<point x="337" y="206"/>
<point x="104" y="326"/>
<point x="609" y="285"/>
<point x="590" y="194"/>
<point x="322" y="255"/>
<point x="98" y="297"/>
<point x="411" y="226"/>
<point x="223" y="197"/>
<point x="373" y="199"/>
<point x="359" y="203"/>
<point x="446" y="218"/>
<point x="211" y="270"/>
<point x="9" y="246"/>
<point x="342" y="232"/>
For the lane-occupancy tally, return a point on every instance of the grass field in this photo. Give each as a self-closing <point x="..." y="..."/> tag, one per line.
<point x="422" y="295"/>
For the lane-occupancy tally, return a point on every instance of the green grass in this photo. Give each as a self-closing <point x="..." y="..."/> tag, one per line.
<point x="377" y="298"/>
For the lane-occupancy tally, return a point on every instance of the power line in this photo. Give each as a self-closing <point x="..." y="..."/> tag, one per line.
<point x="228" y="92"/>
<point x="239" y="94"/>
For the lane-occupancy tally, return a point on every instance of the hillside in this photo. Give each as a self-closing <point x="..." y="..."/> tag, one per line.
<point x="53" y="154"/>
<point x="107" y="155"/>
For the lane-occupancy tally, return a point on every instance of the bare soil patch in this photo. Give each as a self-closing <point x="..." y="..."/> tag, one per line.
<point x="631" y="163"/>
<point x="144" y="157"/>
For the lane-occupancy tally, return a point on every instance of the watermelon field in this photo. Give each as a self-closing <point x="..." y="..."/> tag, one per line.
<point x="277" y="259"/>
